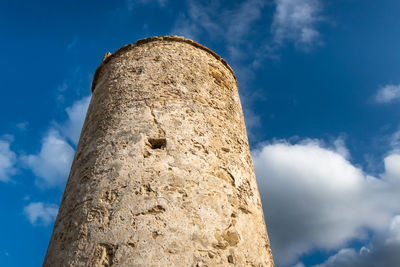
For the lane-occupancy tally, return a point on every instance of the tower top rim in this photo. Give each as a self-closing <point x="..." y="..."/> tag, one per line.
<point x="167" y="38"/>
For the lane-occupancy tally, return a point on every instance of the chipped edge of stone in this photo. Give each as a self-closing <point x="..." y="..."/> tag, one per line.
<point x="168" y="38"/>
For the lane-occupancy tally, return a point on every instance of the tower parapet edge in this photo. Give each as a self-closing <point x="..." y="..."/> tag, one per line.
<point x="162" y="173"/>
<point x="167" y="38"/>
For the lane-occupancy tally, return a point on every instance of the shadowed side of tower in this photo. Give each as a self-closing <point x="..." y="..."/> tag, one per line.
<point x="162" y="175"/>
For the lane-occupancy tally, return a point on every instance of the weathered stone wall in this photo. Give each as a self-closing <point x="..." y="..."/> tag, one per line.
<point x="163" y="174"/>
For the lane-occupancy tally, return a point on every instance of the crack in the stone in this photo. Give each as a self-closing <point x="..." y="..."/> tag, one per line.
<point x="156" y="122"/>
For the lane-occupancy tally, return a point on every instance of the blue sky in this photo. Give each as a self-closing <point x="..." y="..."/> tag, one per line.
<point x="320" y="88"/>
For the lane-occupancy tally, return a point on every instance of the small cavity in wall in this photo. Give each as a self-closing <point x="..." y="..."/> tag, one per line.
<point x="157" y="143"/>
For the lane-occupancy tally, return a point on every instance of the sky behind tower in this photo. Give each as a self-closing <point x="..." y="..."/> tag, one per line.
<point x="319" y="82"/>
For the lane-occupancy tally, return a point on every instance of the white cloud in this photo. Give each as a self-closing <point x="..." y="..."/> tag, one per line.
<point x="41" y="213"/>
<point x="394" y="231"/>
<point x="388" y="93"/>
<point x="392" y="167"/>
<point x="343" y="257"/>
<point x="383" y="250"/>
<point x="340" y="148"/>
<point x="395" y="141"/>
<point x="314" y="198"/>
<point x="51" y="166"/>
<point x="76" y="116"/>
<point x="296" y="21"/>
<point x="7" y="159"/>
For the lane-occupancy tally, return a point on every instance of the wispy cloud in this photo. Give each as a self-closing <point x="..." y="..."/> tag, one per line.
<point x="8" y="159"/>
<point x="293" y="21"/>
<point x="314" y="198"/>
<point x="227" y="25"/>
<point x="201" y="18"/>
<point x="76" y="116"/>
<point x="39" y="213"/>
<point x="230" y="27"/>
<point x="22" y="126"/>
<point x="388" y="93"/>
<point x="296" y="21"/>
<point x="245" y="15"/>
<point x="73" y="43"/>
<point x="131" y="4"/>
<point x="52" y="164"/>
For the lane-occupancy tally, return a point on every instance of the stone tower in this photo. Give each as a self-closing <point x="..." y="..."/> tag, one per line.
<point x="162" y="175"/>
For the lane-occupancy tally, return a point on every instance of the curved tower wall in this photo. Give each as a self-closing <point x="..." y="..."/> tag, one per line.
<point x="162" y="175"/>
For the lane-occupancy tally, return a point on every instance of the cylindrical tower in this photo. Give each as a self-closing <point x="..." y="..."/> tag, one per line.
<point x="162" y="175"/>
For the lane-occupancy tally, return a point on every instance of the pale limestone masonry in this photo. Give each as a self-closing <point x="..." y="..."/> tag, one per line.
<point x="162" y="175"/>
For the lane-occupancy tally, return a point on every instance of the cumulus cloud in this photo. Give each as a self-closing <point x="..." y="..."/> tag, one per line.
<point x="296" y="21"/>
<point x="7" y="159"/>
<point x="41" y="213"/>
<point x="76" y="116"/>
<point x="388" y="93"/>
<point x="395" y="141"/>
<point x="382" y="251"/>
<point x="51" y="166"/>
<point x="394" y="231"/>
<point x="314" y="198"/>
<point x="341" y="148"/>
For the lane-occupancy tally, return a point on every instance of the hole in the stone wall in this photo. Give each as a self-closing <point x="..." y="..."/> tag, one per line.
<point x="157" y="143"/>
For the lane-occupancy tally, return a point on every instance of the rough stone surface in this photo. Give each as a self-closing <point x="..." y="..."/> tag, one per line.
<point x="162" y="175"/>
